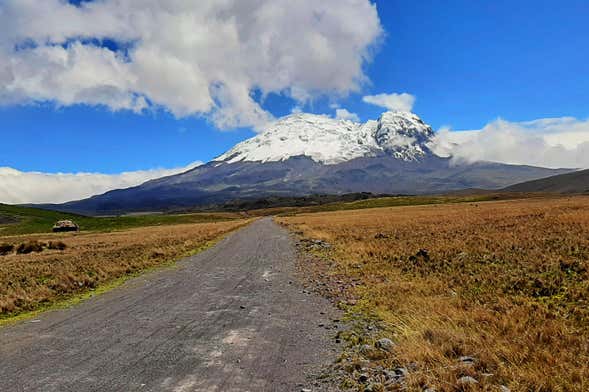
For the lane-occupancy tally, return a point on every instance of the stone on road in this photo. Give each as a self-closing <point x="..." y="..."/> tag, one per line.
<point x="226" y="319"/>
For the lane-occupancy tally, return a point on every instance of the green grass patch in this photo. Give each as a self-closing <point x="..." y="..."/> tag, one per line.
<point x="26" y="220"/>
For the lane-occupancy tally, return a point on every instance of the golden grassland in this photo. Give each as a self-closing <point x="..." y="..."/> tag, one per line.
<point x="91" y="260"/>
<point x="506" y="283"/>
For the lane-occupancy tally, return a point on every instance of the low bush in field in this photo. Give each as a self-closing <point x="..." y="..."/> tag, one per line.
<point x="57" y="245"/>
<point x="29" y="247"/>
<point x="6" y="249"/>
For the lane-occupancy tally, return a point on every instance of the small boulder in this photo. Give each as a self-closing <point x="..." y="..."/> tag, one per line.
<point x="65" y="225"/>
<point x="385" y="344"/>
<point x="466" y="360"/>
<point x="321" y="244"/>
<point x="401" y="372"/>
<point x="467" y="380"/>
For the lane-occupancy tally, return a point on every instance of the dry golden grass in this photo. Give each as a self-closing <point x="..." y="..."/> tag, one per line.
<point x="504" y="282"/>
<point x="28" y="281"/>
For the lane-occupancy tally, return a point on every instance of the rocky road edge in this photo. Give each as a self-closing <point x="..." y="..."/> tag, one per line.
<point x="367" y="361"/>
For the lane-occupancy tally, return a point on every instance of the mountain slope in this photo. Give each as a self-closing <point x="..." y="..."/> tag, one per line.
<point x="576" y="182"/>
<point x="307" y="154"/>
<point x="298" y="176"/>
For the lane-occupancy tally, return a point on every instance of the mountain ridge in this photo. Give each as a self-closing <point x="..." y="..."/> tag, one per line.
<point x="306" y="154"/>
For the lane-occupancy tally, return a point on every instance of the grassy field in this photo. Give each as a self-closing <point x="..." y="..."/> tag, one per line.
<point x="15" y="220"/>
<point x="23" y="220"/>
<point x="503" y="283"/>
<point x="398" y="201"/>
<point x="89" y="261"/>
<point x="390" y="201"/>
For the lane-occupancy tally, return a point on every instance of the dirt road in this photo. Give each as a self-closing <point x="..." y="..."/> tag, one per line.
<point x="232" y="318"/>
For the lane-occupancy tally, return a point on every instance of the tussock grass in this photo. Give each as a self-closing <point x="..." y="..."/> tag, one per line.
<point x="505" y="282"/>
<point x="6" y="249"/>
<point x="56" y="245"/>
<point x="76" y="263"/>
<point x="29" y="247"/>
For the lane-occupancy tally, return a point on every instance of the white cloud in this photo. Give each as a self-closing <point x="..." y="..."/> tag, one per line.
<point x="203" y="57"/>
<point x="398" y="102"/>
<point x="17" y="187"/>
<point x="344" y="114"/>
<point x="549" y="142"/>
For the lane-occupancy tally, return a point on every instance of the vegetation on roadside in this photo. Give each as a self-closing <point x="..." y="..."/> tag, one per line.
<point x="26" y="220"/>
<point x="74" y="264"/>
<point x="476" y="296"/>
<point x="30" y="246"/>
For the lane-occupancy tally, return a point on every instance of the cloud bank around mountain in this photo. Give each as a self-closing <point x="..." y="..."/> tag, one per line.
<point x="549" y="142"/>
<point x="203" y="57"/>
<point x="17" y="187"/>
<point x="402" y="102"/>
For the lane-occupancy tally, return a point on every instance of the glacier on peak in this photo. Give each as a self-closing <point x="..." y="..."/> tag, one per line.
<point x="327" y="140"/>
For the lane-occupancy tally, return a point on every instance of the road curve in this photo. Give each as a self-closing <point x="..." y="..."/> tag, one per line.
<point x="232" y="318"/>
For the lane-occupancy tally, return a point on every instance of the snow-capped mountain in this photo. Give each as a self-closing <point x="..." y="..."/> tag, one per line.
<point x="306" y="154"/>
<point x="330" y="141"/>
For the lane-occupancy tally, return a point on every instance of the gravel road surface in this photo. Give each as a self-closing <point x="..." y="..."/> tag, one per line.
<point x="232" y="318"/>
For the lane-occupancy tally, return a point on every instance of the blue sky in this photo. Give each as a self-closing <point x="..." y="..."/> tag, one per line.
<point x="466" y="62"/>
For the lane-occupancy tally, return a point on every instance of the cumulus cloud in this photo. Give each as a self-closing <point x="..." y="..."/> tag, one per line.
<point x="549" y="142"/>
<point x="205" y="57"/>
<point x="344" y="114"/>
<point x="17" y="187"/>
<point x="397" y="102"/>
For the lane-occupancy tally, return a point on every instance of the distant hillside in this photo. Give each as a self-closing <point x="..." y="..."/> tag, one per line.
<point x="576" y="182"/>
<point x="22" y="220"/>
<point x="16" y="220"/>
<point x="217" y="183"/>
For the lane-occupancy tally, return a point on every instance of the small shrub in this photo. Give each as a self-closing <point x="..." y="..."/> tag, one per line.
<point x="57" y="245"/>
<point x="29" y="247"/>
<point x="6" y="249"/>
<point x="157" y="254"/>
